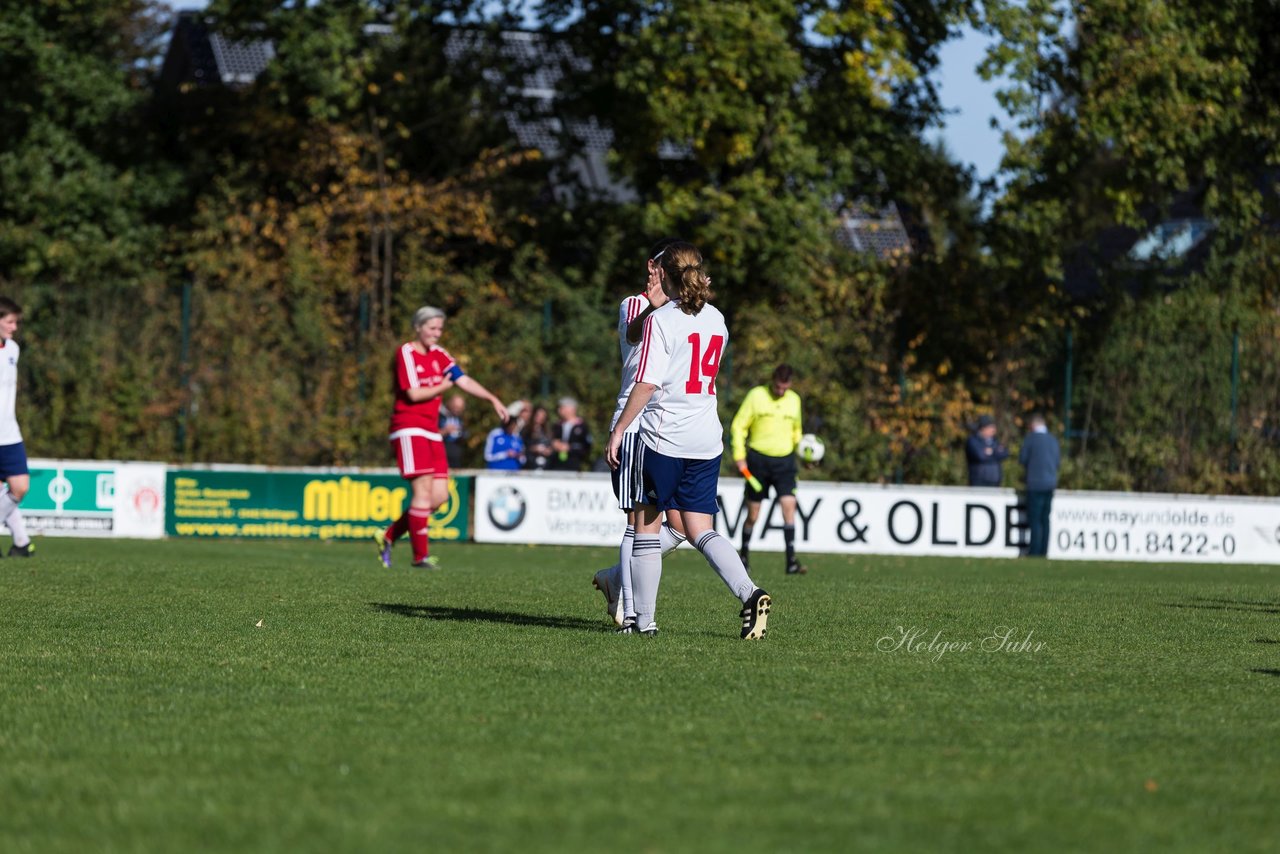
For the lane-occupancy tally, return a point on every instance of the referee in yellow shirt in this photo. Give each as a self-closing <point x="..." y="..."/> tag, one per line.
<point x="764" y="434"/>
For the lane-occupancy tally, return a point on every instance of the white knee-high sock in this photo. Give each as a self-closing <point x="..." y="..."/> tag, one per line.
<point x="720" y="553"/>
<point x="624" y="572"/>
<point x="620" y="573"/>
<point x="11" y="516"/>
<point x="670" y="539"/>
<point x="646" y="576"/>
<point x="18" y="527"/>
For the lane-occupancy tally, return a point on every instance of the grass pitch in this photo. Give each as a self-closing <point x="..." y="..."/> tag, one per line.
<point x="489" y="707"/>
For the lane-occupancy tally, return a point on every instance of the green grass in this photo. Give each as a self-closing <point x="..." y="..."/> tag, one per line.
<point x="488" y="707"/>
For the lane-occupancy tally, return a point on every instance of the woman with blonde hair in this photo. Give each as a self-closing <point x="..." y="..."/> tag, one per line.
<point x="674" y="397"/>
<point x="423" y="372"/>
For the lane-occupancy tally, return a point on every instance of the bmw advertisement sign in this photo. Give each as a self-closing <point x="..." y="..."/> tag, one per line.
<point x="564" y="509"/>
<point x="506" y="508"/>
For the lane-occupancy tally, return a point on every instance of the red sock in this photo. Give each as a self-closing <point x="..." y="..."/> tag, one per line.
<point x="418" y="522"/>
<point x="398" y="528"/>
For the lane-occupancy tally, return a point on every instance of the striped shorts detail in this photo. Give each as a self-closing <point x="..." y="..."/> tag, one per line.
<point x="628" y="477"/>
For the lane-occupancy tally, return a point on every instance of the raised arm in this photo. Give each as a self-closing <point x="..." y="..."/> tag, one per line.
<point x="636" y="327"/>
<point x="472" y="387"/>
<point x="420" y="393"/>
<point x="657" y="299"/>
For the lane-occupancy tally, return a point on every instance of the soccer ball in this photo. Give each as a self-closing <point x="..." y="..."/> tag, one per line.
<point x="811" y="449"/>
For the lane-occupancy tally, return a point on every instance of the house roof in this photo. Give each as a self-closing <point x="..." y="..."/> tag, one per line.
<point x="879" y="232"/>
<point x="201" y="56"/>
<point x="198" y="55"/>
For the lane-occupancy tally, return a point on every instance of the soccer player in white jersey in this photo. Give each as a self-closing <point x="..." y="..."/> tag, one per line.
<point x="674" y="397"/>
<point x="13" y="454"/>
<point x="615" y="581"/>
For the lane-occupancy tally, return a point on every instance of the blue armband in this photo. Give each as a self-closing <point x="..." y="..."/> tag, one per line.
<point x="454" y="373"/>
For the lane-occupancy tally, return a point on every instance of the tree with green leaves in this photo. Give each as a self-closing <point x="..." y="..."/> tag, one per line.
<point x="1124" y="114"/>
<point x="82" y="240"/>
<point x="749" y="128"/>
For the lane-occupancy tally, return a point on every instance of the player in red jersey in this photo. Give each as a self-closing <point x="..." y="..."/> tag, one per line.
<point x="423" y="373"/>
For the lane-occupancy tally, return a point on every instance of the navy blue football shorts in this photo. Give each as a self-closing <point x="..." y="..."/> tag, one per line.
<point x="13" y="460"/>
<point x="671" y="483"/>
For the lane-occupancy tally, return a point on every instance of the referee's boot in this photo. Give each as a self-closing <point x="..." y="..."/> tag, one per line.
<point x="29" y="550"/>
<point x="795" y="567"/>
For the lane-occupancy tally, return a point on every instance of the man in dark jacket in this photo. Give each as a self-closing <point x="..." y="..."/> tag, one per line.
<point x="985" y="454"/>
<point x="571" y="440"/>
<point x="1040" y="457"/>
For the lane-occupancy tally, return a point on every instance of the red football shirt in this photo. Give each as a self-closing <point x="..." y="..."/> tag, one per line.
<point x="418" y="370"/>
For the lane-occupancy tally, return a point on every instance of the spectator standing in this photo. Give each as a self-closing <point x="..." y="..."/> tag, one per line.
<point x="571" y="440"/>
<point x="521" y="409"/>
<point x="537" y="439"/>
<point x="504" y="447"/>
<point x="985" y="454"/>
<point x="453" y="430"/>
<point x="1040" y="457"/>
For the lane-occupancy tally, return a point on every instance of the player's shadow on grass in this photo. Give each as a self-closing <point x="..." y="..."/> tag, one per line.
<point x="481" y="615"/>
<point x="1246" y="606"/>
<point x="1265" y="671"/>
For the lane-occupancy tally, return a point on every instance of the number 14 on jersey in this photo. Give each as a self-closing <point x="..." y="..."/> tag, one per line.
<point x="704" y="364"/>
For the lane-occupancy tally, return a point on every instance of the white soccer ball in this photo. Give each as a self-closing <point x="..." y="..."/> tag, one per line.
<point x="811" y="449"/>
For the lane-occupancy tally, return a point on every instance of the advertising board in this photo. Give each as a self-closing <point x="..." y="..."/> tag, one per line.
<point x="299" y="504"/>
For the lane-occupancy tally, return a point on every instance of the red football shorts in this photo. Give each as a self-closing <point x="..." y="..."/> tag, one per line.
<point x="418" y="455"/>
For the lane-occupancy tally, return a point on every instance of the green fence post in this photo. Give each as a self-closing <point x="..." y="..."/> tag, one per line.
<point x="1066" y="393"/>
<point x="361" y="345"/>
<point x="545" y="386"/>
<point x="184" y="362"/>
<point x="902" y="404"/>
<point x="1235" y="380"/>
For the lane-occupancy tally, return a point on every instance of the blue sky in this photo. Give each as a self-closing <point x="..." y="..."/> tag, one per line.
<point x="970" y="102"/>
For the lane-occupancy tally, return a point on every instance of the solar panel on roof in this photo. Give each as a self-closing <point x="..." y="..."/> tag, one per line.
<point x="240" y="62"/>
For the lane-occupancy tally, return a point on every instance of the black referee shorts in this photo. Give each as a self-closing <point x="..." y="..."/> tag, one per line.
<point x="776" y="472"/>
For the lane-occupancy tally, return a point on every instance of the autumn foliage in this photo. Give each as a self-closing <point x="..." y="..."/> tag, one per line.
<point x="220" y="273"/>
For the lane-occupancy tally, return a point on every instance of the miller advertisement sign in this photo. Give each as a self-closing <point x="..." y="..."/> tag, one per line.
<point x="293" y="504"/>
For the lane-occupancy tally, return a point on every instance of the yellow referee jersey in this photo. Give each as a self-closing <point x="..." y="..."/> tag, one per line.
<point x="769" y="425"/>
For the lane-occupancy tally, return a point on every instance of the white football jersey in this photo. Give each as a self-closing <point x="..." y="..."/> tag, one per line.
<point x="628" y="310"/>
<point x="680" y="354"/>
<point x="9" y="432"/>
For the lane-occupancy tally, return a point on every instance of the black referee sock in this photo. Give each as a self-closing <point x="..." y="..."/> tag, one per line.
<point x="789" y="537"/>
<point x="746" y="540"/>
